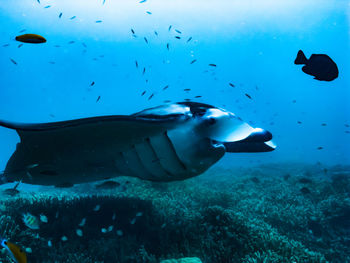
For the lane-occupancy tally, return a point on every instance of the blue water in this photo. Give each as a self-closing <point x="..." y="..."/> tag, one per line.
<point x="252" y="43"/>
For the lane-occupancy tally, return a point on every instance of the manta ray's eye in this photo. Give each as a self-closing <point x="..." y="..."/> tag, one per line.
<point x="210" y="121"/>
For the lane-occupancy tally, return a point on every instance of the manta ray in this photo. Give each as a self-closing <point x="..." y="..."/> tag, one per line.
<point x="166" y="143"/>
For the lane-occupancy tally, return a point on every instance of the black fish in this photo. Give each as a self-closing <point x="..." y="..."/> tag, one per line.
<point x="178" y="31"/>
<point x="144" y="71"/>
<point x="137" y="64"/>
<point x="145" y="40"/>
<point x="177" y="37"/>
<point x="5" y="45"/>
<point x="212" y="65"/>
<point x="189" y="39"/>
<point x="231" y="85"/>
<point x="92" y="83"/>
<point x="23" y="30"/>
<point x="143" y="93"/>
<point x="98" y="21"/>
<point x="156" y="33"/>
<point x="14" y="62"/>
<point x="347" y="125"/>
<point x="169" y="27"/>
<point x="20" y="45"/>
<point x="321" y="66"/>
<point x="52" y="62"/>
<point x="187" y="89"/>
<point x="132" y="31"/>
<point x="167" y="86"/>
<point x="38" y="1"/>
<point x="150" y="97"/>
<point x="299" y="122"/>
<point x="84" y="44"/>
<point x="148" y="12"/>
<point x="167" y="46"/>
<point x="57" y="46"/>
<point x="167" y="101"/>
<point x="72" y="17"/>
<point x="319" y="148"/>
<point x="103" y="2"/>
<point x="193" y="61"/>
<point x="98" y="98"/>
<point x="48" y="6"/>
<point x="71" y="42"/>
<point x="248" y="96"/>
<point x="324" y="124"/>
<point x="196" y="97"/>
<point x="60" y="15"/>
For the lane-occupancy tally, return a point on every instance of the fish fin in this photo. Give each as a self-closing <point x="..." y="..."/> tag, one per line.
<point x="300" y="59"/>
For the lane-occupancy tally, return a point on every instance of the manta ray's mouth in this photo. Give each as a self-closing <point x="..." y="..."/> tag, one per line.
<point x="258" y="141"/>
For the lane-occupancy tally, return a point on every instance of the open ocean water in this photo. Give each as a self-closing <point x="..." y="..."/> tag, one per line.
<point x="83" y="180"/>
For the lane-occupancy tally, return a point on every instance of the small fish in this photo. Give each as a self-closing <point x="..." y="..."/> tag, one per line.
<point x="248" y="96"/>
<point x="13" y="61"/>
<point x="98" y="98"/>
<point x="177" y="37"/>
<point x="196" y="97"/>
<point x="57" y="46"/>
<point x="321" y="66"/>
<point x="84" y="45"/>
<point x="16" y="253"/>
<point x="31" y="38"/>
<point x="5" y="45"/>
<point x="119" y="232"/>
<point x="347" y="125"/>
<point x="132" y="31"/>
<point x="136" y="64"/>
<point x="169" y="27"/>
<point x="167" y="86"/>
<point x="167" y="101"/>
<point x="43" y="218"/>
<point x="71" y="42"/>
<point x="156" y="33"/>
<point x="193" y="61"/>
<point x="143" y="93"/>
<point x="212" y="65"/>
<point x="138" y="214"/>
<point x="133" y="221"/>
<point x="48" y="6"/>
<point x="31" y="221"/>
<point x="144" y="71"/>
<point x="79" y="232"/>
<point x="178" y="31"/>
<point x="49" y="243"/>
<point x="299" y="122"/>
<point x="60" y="15"/>
<point x="82" y="222"/>
<point x="73" y="17"/>
<point x="324" y="124"/>
<point x="52" y="62"/>
<point x="145" y="40"/>
<point x="114" y="216"/>
<point x="98" y="21"/>
<point x="110" y="228"/>
<point x="103" y="2"/>
<point x="150" y="97"/>
<point x="38" y="1"/>
<point x="189" y="39"/>
<point x="23" y="30"/>
<point x="103" y="230"/>
<point x="64" y="238"/>
<point x="187" y="89"/>
<point x="148" y="12"/>
<point x="96" y="208"/>
<point x="319" y="148"/>
<point x="92" y="83"/>
<point x="142" y="1"/>
<point x="167" y="46"/>
<point x="231" y="85"/>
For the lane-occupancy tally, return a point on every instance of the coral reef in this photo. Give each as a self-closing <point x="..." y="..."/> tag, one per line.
<point x="250" y="215"/>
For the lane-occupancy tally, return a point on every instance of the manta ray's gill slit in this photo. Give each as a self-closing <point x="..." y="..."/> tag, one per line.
<point x="136" y="164"/>
<point x="122" y="165"/>
<point x="174" y="151"/>
<point x="141" y="154"/>
<point x="157" y="158"/>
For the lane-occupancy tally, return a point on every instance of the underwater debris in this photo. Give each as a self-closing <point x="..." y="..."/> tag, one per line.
<point x="16" y="253"/>
<point x="321" y="66"/>
<point x="31" y="221"/>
